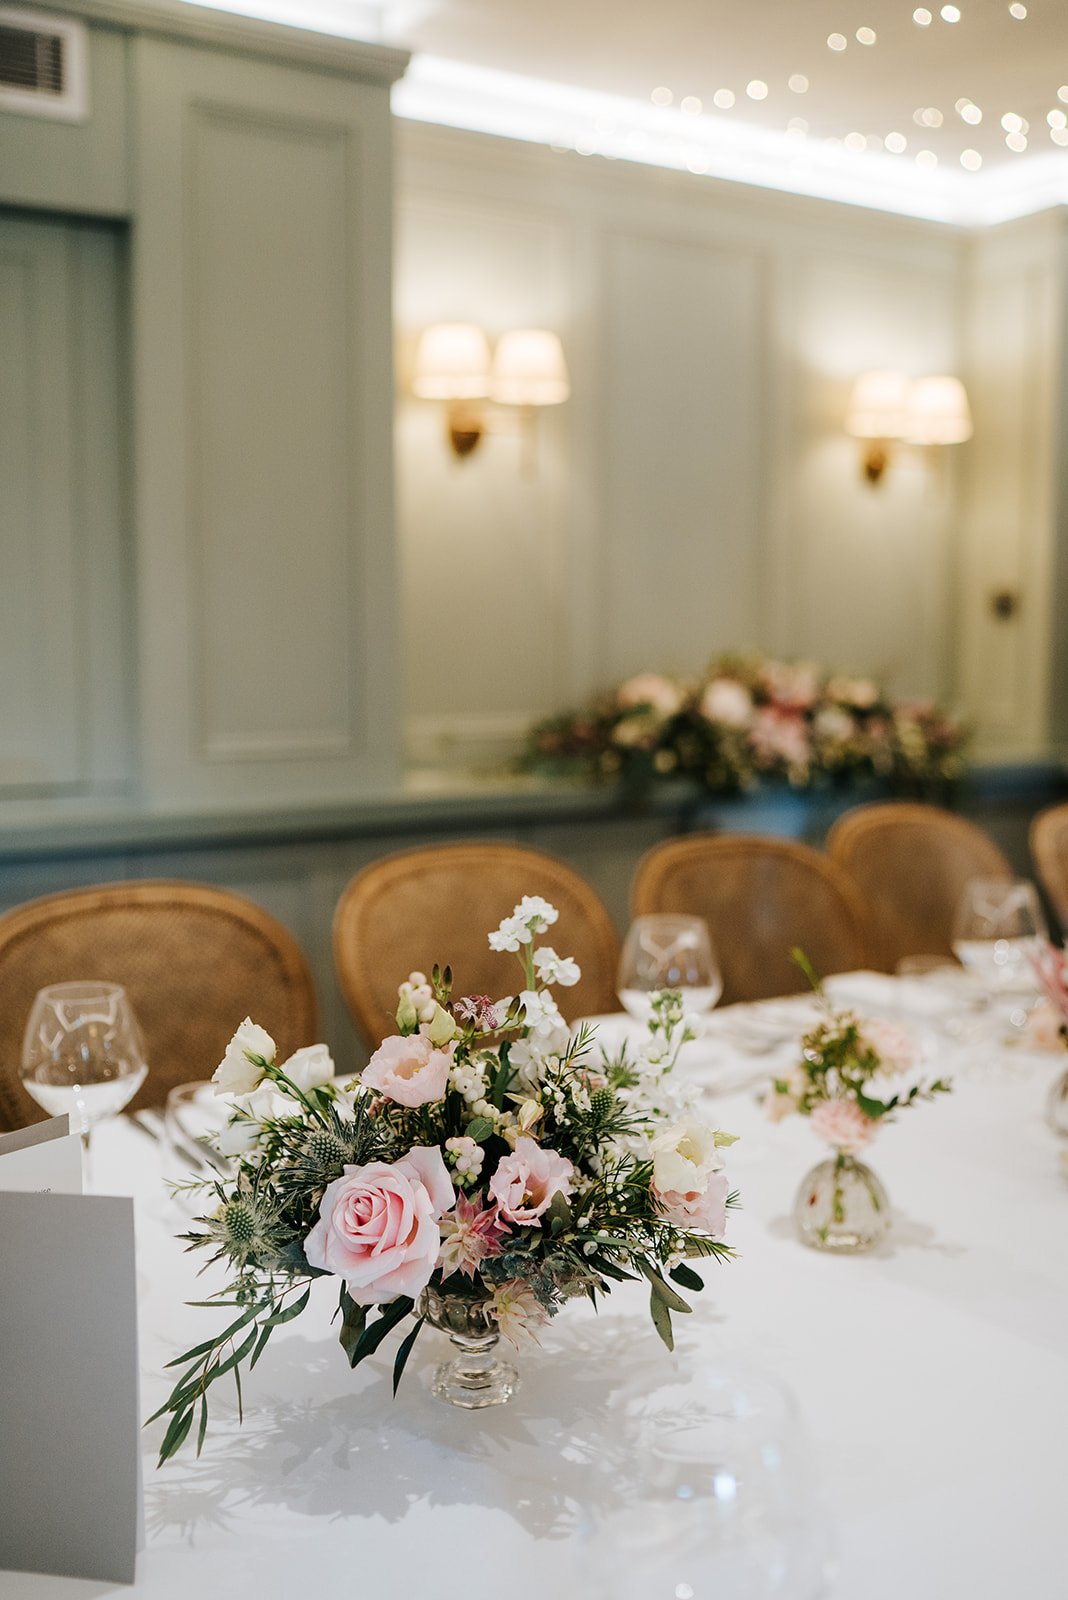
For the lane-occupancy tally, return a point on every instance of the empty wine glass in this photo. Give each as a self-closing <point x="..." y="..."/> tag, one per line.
<point x="997" y="927"/>
<point x="82" y="1052"/>
<point x="718" y="1498"/>
<point x="668" y="951"/>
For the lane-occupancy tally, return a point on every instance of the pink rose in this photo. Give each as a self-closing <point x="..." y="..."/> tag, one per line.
<point x="525" y="1182"/>
<point x="378" y="1226"/>
<point x="842" y="1123"/>
<point x="409" y="1071"/>
<point x="704" y="1210"/>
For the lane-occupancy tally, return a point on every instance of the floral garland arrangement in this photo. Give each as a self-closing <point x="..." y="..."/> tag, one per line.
<point x="852" y="1076"/>
<point x="752" y="720"/>
<point x="482" y="1153"/>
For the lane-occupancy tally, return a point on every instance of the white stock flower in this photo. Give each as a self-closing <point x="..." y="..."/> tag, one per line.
<point x="310" y="1067"/>
<point x="536" y="913"/>
<point x="236" y="1074"/>
<point x="552" y="968"/>
<point x="684" y="1158"/>
<point x="510" y="935"/>
<point x="542" y="1016"/>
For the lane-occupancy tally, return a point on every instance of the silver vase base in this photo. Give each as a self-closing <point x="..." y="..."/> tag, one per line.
<point x="457" y="1384"/>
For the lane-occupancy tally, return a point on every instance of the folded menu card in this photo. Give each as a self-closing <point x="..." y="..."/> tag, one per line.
<point x="69" y="1427"/>
<point x="45" y="1158"/>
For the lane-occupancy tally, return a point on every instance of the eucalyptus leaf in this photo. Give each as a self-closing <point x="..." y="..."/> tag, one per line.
<point x="663" y="1291"/>
<point x="661" y="1320"/>
<point x="479" y="1128"/>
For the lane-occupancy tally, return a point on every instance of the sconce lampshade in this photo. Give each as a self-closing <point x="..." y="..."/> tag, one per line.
<point x="452" y="362"/>
<point x="878" y="406"/>
<point x="938" y="412"/>
<point x="529" y="369"/>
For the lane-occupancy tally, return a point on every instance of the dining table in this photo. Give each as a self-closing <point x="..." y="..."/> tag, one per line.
<point x="924" y="1384"/>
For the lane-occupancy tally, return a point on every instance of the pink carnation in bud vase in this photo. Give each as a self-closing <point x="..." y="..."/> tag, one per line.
<point x="378" y="1226"/>
<point x="843" y="1125"/>
<point x="525" y="1182"/>
<point x="704" y="1211"/>
<point x="1051" y="969"/>
<point x="409" y="1070"/>
<point x="894" y="1045"/>
<point x="470" y="1234"/>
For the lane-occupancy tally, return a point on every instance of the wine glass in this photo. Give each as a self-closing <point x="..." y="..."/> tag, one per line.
<point x="997" y="927"/>
<point x="668" y="951"/>
<point x="718" y="1497"/>
<point x="82" y="1052"/>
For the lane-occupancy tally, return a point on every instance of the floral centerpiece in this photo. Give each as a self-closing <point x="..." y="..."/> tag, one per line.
<point x="1047" y="1026"/>
<point x="751" y="720"/>
<point x="483" y="1169"/>
<point x="852" y="1076"/>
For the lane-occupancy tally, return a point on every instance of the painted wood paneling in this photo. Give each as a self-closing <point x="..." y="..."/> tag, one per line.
<point x="684" y="391"/>
<point x="63" y="616"/>
<point x="263" y="370"/>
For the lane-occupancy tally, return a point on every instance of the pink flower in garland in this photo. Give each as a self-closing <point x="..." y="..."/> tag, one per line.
<point x="470" y="1234"/>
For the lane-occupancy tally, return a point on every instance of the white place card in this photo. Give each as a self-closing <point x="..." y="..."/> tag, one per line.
<point x="69" y="1423"/>
<point x="45" y="1158"/>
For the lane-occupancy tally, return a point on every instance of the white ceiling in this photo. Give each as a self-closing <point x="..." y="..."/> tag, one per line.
<point x="695" y="47"/>
<point x="564" y="57"/>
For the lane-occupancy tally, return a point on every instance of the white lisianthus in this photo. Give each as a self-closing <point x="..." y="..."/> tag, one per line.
<point x="684" y="1158"/>
<point x="236" y="1073"/>
<point x="310" y="1067"/>
<point x="552" y="968"/>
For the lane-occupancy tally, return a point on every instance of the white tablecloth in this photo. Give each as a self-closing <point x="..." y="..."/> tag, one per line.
<point x="932" y="1376"/>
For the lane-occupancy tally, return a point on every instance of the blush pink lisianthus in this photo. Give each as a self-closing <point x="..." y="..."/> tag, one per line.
<point x="704" y="1210"/>
<point x="843" y="1124"/>
<point x="378" y="1226"/>
<point x="409" y="1070"/>
<point x="525" y="1182"/>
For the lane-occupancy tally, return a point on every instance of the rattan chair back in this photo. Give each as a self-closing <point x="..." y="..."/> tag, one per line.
<point x="193" y="959"/>
<point x="761" y="898"/>
<point x="438" y="904"/>
<point x="1049" y="852"/>
<point x="911" y="863"/>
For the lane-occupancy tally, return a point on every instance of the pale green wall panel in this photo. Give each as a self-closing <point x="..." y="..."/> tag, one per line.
<point x="263" y="389"/>
<point x="74" y="166"/>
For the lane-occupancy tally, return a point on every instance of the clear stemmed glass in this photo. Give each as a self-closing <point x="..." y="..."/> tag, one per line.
<point x="665" y="951"/>
<point x="996" y="930"/>
<point x="82" y="1052"/>
<point x="716" y="1498"/>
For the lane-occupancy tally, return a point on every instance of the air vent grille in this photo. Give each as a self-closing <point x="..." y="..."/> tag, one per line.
<point x="43" y="65"/>
<point x="30" y="60"/>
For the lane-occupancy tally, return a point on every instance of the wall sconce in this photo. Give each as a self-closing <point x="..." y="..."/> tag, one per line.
<point x="452" y="363"/>
<point x="886" y="408"/>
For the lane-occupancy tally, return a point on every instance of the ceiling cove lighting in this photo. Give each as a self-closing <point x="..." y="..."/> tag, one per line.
<point x="536" y="111"/>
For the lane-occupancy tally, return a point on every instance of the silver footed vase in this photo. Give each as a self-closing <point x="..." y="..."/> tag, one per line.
<point x="841" y="1206"/>
<point x="475" y="1376"/>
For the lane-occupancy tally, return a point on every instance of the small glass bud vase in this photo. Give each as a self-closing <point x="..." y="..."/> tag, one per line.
<point x="475" y="1377"/>
<point x="842" y="1206"/>
<point x="1057" y="1106"/>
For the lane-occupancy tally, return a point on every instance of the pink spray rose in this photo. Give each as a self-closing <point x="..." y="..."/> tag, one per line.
<point x="378" y="1225"/>
<point x="842" y="1123"/>
<point x="410" y="1071"/>
<point x="525" y="1182"/>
